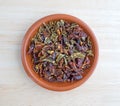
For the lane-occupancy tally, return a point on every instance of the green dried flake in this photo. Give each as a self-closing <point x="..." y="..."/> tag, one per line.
<point x="50" y="51"/>
<point x="90" y="53"/>
<point x="43" y="57"/>
<point x="68" y="44"/>
<point x="72" y="42"/>
<point x="59" y="57"/>
<point x="64" y="34"/>
<point x="73" y="25"/>
<point x="41" y="29"/>
<point x="49" y="60"/>
<point x="36" y="67"/>
<point x="66" y="62"/>
<point x="62" y="22"/>
<point x="47" y="40"/>
<point x="54" y="37"/>
<point x="77" y="55"/>
<point x="88" y="41"/>
<point x="35" y="40"/>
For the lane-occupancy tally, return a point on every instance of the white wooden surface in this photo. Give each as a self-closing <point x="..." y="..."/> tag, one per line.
<point x="102" y="89"/>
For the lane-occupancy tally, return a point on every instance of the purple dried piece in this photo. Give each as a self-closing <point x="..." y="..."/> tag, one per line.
<point x="67" y="24"/>
<point x="82" y="34"/>
<point x="42" y="38"/>
<point x="36" y="61"/>
<point x="87" y="61"/>
<point x="65" y="77"/>
<point x="79" y="62"/>
<point x="31" y="48"/>
<point x="77" y="41"/>
<point x="74" y="73"/>
<point x="59" y="79"/>
<point x="47" y="74"/>
<point x="68" y="74"/>
<point x="63" y="41"/>
<point x="54" y="55"/>
<point x="70" y="51"/>
<point x="58" y="72"/>
<point x="35" y="55"/>
<point x="78" y="77"/>
<point x="79" y="48"/>
<point x="84" y="48"/>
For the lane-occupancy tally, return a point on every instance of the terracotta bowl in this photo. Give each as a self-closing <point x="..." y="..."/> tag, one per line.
<point x="27" y="63"/>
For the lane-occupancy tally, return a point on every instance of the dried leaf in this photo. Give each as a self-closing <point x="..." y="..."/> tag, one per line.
<point x="65" y="60"/>
<point x="77" y="55"/>
<point x="73" y="25"/>
<point x="59" y="57"/>
<point x="49" y="60"/>
<point x="54" y="37"/>
<point x="50" y="51"/>
<point x="47" y="40"/>
<point x="90" y="53"/>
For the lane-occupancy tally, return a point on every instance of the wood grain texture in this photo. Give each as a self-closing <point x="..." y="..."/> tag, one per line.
<point x="103" y="87"/>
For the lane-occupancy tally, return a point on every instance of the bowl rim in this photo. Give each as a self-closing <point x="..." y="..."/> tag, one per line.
<point x="25" y="41"/>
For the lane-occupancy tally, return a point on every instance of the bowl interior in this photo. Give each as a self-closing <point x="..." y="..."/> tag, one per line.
<point x="28" y="65"/>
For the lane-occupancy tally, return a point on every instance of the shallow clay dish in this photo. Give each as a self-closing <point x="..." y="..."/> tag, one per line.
<point x="28" y="65"/>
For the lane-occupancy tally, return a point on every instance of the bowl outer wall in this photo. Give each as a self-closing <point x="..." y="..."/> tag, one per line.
<point x="26" y="60"/>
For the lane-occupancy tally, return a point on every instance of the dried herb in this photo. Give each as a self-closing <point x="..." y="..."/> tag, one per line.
<point x="47" y="40"/>
<point x="60" y="56"/>
<point x="77" y="55"/>
<point x="61" y="51"/>
<point x="49" y="60"/>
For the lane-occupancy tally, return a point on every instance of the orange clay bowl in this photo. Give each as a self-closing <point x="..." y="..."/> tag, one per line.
<point x="27" y="62"/>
